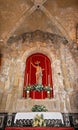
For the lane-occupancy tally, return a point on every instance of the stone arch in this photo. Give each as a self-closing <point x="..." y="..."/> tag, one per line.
<point x="32" y="50"/>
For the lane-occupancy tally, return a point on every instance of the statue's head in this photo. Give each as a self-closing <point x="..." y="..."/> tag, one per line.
<point x="37" y="63"/>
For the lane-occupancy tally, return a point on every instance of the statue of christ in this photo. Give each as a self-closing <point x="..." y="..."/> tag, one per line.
<point x="38" y="72"/>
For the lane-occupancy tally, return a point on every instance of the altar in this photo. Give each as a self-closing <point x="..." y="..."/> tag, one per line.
<point x="38" y="119"/>
<point x="46" y="115"/>
<point x="38" y="95"/>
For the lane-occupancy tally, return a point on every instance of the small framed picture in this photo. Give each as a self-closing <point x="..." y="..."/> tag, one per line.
<point x="1" y="121"/>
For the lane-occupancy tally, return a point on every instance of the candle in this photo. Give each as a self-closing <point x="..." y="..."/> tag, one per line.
<point x="27" y="79"/>
<point x="48" y="80"/>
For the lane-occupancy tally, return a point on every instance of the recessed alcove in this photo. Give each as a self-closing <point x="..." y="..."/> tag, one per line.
<point x="38" y="66"/>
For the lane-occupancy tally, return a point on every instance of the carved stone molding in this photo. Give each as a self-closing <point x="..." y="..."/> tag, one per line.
<point x="37" y="36"/>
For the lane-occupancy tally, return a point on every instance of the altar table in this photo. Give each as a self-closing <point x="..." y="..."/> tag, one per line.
<point x="31" y="115"/>
<point x="38" y="95"/>
<point x="39" y="128"/>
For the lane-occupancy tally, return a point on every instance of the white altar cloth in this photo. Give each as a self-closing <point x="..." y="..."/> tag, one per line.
<point x="46" y="115"/>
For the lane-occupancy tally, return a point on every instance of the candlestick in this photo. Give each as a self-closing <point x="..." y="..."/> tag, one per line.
<point x="27" y="79"/>
<point x="48" y="80"/>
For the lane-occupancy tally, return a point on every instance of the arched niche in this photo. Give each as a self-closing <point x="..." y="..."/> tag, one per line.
<point x="30" y="71"/>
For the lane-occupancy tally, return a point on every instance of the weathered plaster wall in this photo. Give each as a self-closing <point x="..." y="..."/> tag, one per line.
<point x="50" y="16"/>
<point x="64" y="71"/>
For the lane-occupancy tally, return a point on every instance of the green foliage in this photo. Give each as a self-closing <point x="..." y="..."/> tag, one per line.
<point x="39" y="108"/>
<point x="37" y="87"/>
<point x="47" y="88"/>
<point x="28" y="88"/>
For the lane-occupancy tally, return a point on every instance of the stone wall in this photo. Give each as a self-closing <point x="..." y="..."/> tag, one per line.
<point x="64" y="74"/>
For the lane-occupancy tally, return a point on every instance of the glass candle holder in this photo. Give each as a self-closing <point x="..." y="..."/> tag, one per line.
<point x="27" y="94"/>
<point x="48" y="94"/>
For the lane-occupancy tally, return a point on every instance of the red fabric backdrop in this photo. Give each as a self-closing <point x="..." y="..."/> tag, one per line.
<point x="30" y="77"/>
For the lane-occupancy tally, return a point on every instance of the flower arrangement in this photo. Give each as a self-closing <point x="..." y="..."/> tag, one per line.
<point x="38" y="121"/>
<point x="47" y="88"/>
<point x="28" y="88"/>
<point x="37" y="87"/>
<point x="39" y="108"/>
